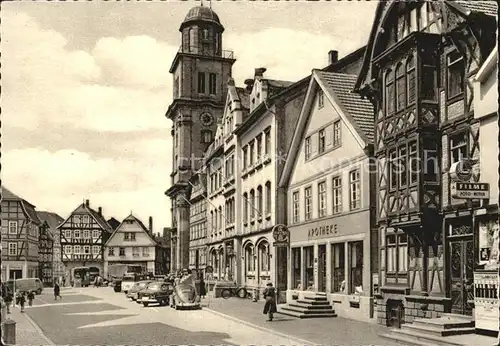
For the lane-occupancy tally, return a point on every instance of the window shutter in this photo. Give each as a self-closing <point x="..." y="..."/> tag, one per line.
<point x="329" y="136"/>
<point x="314" y="144"/>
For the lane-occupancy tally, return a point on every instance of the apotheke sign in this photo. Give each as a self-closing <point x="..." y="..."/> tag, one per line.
<point x="322" y="231"/>
<point x="470" y="190"/>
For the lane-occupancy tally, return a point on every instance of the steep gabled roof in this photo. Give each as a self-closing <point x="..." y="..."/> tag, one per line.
<point x="356" y="113"/>
<point x="131" y="217"/>
<point x="84" y="209"/>
<point x="53" y="220"/>
<point x="339" y="86"/>
<point x="27" y="206"/>
<point x="244" y="96"/>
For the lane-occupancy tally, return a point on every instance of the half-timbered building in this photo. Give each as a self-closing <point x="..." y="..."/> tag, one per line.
<point x="20" y="228"/>
<point x="418" y="60"/>
<point x="83" y="235"/>
<point x="45" y="254"/>
<point x="52" y="220"/>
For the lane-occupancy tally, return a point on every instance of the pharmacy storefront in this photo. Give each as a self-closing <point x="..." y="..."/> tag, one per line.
<point x="332" y="256"/>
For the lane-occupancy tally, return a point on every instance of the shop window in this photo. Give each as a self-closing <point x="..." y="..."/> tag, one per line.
<point x="249" y="260"/>
<point x="356" y="266"/>
<point x="296" y="272"/>
<point x="322" y="199"/>
<point x="309" y="267"/>
<point x="264" y="257"/>
<point x="296" y="207"/>
<point x="400" y="88"/>
<point x="337" y="194"/>
<point x="308" y="203"/>
<point x="307" y="148"/>
<point x="397" y="255"/>
<point x="389" y="92"/>
<point x="354" y="190"/>
<point x="338" y="268"/>
<point x="458" y="147"/>
<point x="456" y="74"/>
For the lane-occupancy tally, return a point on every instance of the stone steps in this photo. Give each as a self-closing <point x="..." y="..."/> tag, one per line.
<point x="311" y="306"/>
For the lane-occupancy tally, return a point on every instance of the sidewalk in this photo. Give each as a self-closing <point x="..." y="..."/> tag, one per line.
<point x="27" y="332"/>
<point x="319" y="331"/>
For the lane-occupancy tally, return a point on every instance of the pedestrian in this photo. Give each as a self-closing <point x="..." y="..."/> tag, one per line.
<point x="57" y="291"/>
<point x="270" y="297"/>
<point x="31" y="296"/>
<point x="8" y="300"/>
<point x="22" y="300"/>
<point x="203" y="289"/>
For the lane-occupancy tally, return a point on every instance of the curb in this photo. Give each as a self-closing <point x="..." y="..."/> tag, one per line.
<point x="295" y="340"/>
<point x="39" y="330"/>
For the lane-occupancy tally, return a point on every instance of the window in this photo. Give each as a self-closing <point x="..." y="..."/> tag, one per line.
<point x="397" y="254"/>
<point x="389" y="93"/>
<point x="67" y="234"/>
<point x="245" y="157"/>
<point x="201" y="82"/>
<point x="176" y="87"/>
<point x="264" y="257"/>
<point x="354" y="190"/>
<point x="205" y="34"/>
<point x="321" y="141"/>
<point x="402" y="169"/>
<point x="212" y="84"/>
<point x="413" y="163"/>
<point x="309" y="267"/>
<point x="245" y="207"/>
<point x="125" y="236"/>
<point x="95" y="234"/>
<point x="269" y="194"/>
<point x="400" y="88"/>
<point x="85" y="219"/>
<point x="337" y="194"/>
<point x="322" y="199"/>
<point x="308" y="204"/>
<point x="410" y="76"/>
<point x="132" y="236"/>
<point x="216" y="220"/>
<point x="429" y="83"/>
<point x="259" y="201"/>
<point x="77" y="250"/>
<point x="336" y="133"/>
<point x="13" y="227"/>
<point x="321" y="99"/>
<point x="95" y="249"/>
<point x="393" y="169"/>
<point x="338" y="268"/>
<point x="431" y="167"/>
<point x="296" y="263"/>
<point x="308" y="148"/>
<point x="122" y="251"/>
<point x="259" y="147"/>
<point x="249" y="259"/>
<point x="458" y="147"/>
<point x="296" y="206"/>
<point x="111" y="251"/>
<point x="86" y="234"/>
<point x="12" y="249"/>
<point x="86" y="249"/>
<point x="67" y="249"/>
<point x="355" y="265"/>
<point x="252" y="204"/>
<point x="267" y="142"/>
<point x="77" y="233"/>
<point x="206" y="136"/>
<point x="135" y="252"/>
<point x="251" y="149"/>
<point x="456" y="73"/>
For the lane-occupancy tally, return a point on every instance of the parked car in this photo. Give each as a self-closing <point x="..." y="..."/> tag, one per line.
<point x="139" y="286"/>
<point x="185" y="296"/>
<point x="26" y="285"/>
<point x="155" y="293"/>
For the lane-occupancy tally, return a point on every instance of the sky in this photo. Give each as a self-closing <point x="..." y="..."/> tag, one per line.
<point x="85" y="88"/>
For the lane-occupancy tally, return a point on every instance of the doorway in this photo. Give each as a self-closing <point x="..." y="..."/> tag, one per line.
<point x="321" y="268"/>
<point x="395" y="313"/>
<point x="15" y="274"/>
<point x="461" y="269"/>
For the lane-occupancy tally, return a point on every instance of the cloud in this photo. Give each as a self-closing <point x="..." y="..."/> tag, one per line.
<point x="121" y="85"/>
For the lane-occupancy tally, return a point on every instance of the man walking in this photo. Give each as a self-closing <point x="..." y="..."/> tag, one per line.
<point x="270" y="297"/>
<point x="57" y="291"/>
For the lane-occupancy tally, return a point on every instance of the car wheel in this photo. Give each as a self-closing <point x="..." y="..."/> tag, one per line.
<point x="226" y="294"/>
<point x="145" y="304"/>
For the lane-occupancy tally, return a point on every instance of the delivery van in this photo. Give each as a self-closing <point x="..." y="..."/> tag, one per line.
<point x="26" y="285"/>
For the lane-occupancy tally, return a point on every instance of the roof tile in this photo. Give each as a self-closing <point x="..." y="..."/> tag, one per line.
<point x="487" y="7"/>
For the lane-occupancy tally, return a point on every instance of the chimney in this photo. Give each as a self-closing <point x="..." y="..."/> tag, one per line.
<point x="99" y="211"/>
<point x="249" y="84"/>
<point x="87" y="203"/>
<point x="333" y="57"/>
<point x="259" y="72"/>
<point x="151" y="224"/>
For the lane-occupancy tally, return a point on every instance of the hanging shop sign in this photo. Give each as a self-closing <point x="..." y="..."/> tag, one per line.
<point x="281" y="236"/>
<point x="470" y="190"/>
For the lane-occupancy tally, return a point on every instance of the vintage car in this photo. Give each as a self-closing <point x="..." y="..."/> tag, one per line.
<point x="139" y="286"/>
<point x="185" y="295"/>
<point x="155" y="293"/>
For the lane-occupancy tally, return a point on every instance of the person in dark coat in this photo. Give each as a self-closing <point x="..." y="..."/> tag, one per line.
<point x="270" y="297"/>
<point x="203" y="289"/>
<point x="57" y="291"/>
<point x="8" y="299"/>
<point x="22" y="300"/>
<point x="31" y="296"/>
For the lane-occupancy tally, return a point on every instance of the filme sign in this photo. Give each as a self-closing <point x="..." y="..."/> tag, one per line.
<point x="461" y="187"/>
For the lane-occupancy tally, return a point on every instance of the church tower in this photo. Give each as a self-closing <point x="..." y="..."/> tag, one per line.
<point x="200" y="71"/>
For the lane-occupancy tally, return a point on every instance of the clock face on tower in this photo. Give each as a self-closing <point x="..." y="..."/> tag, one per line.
<point x="206" y="119"/>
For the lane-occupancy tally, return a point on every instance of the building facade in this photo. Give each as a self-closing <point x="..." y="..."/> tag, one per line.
<point x="131" y="243"/>
<point x="198" y="222"/>
<point x="418" y="58"/>
<point x="51" y="221"/>
<point x="162" y="252"/>
<point x="200" y="70"/>
<point x="20" y="231"/>
<point x="45" y="254"/>
<point x="330" y="196"/>
<point x="83" y="236"/>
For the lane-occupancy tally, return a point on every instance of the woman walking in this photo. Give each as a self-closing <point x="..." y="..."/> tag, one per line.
<point x="22" y="300"/>
<point x="57" y="291"/>
<point x="31" y="296"/>
<point x="270" y="305"/>
<point x="203" y="289"/>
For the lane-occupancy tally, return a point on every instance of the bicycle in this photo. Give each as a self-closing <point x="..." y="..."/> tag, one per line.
<point x="240" y="292"/>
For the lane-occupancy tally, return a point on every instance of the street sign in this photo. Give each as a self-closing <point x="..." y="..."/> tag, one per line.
<point x="281" y="235"/>
<point x="470" y="190"/>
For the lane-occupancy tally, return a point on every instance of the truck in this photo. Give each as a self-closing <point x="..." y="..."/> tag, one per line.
<point x="124" y="276"/>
